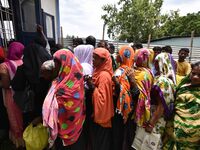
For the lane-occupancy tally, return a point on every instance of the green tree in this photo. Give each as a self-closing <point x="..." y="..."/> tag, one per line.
<point x="134" y="20"/>
<point x="177" y="25"/>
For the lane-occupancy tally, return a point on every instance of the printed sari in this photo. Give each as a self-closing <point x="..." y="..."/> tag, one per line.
<point x="144" y="80"/>
<point x="161" y="96"/>
<point x="184" y="130"/>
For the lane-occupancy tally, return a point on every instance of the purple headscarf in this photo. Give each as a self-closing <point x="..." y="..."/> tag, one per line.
<point x="84" y="53"/>
<point x="15" y="52"/>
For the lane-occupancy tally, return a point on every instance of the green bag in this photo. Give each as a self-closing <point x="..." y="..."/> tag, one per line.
<point x="36" y="138"/>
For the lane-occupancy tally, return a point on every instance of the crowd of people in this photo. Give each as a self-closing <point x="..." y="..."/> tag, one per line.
<point x="90" y="100"/>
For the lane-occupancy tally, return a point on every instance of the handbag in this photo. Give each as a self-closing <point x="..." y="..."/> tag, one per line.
<point x="23" y="95"/>
<point x="25" y="99"/>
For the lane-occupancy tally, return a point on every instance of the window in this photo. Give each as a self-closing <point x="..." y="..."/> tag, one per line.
<point x="7" y="30"/>
<point x="4" y="3"/>
<point x="49" y="25"/>
<point x="28" y="15"/>
<point x="6" y="23"/>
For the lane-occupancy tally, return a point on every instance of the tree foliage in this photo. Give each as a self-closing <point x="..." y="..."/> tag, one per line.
<point x="177" y="25"/>
<point x="134" y="20"/>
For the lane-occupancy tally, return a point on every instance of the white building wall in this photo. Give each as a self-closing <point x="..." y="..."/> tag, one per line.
<point x="49" y="6"/>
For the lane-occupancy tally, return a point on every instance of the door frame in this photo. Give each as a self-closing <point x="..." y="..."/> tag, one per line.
<point x="22" y="36"/>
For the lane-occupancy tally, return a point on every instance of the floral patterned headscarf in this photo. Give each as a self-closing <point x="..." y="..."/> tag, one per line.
<point x="165" y="66"/>
<point x="124" y="102"/>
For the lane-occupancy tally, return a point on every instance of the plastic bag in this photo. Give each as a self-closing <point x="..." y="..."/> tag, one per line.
<point x="151" y="142"/>
<point x="36" y="138"/>
<point x="145" y="141"/>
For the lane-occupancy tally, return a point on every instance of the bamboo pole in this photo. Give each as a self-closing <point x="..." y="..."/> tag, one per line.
<point x="191" y="45"/>
<point x="104" y="26"/>
<point x="61" y="36"/>
<point x="149" y="40"/>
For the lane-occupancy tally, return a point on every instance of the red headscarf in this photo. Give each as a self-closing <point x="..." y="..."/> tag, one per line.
<point x="69" y="92"/>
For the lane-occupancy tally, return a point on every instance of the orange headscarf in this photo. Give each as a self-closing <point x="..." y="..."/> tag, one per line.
<point x="127" y="56"/>
<point x="103" y="94"/>
<point x="124" y="102"/>
<point x="107" y="65"/>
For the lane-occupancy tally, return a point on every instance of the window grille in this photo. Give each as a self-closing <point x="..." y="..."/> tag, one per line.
<point x="7" y="32"/>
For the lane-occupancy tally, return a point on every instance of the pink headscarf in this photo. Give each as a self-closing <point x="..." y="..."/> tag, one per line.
<point x="142" y="57"/>
<point x="14" y="57"/>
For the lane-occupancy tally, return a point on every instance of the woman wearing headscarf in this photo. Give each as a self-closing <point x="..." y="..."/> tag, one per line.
<point x="125" y="96"/>
<point x="7" y="72"/>
<point x="35" y="55"/>
<point x="104" y="44"/>
<point x="4" y="125"/>
<point x="183" y="132"/>
<point x="2" y="55"/>
<point x="84" y="54"/>
<point x="102" y="100"/>
<point x="63" y="108"/>
<point x="162" y="97"/>
<point x="144" y="80"/>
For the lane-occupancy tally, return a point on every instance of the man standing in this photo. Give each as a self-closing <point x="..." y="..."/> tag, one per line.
<point x="183" y="67"/>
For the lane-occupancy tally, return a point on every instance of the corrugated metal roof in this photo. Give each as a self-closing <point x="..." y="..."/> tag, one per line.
<point x="177" y="41"/>
<point x="176" y="45"/>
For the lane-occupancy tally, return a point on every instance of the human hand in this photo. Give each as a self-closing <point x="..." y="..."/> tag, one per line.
<point x="36" y="121"/>
<point x="131" y="76"/>
<point x="149" y="128"/>
<point x="115" y="80"/>
<point x="130" y="73"/>
<point x="39" y="28"/>
<point x="88" y="80"/>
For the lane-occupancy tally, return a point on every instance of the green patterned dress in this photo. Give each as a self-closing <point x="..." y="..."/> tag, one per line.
<point x="184" y="131"/>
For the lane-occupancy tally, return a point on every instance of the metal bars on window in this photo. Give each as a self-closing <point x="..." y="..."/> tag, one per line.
<point x="7" y="32"/>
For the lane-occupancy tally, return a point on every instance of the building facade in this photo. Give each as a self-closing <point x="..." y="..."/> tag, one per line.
<point x="18" y="20"/>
